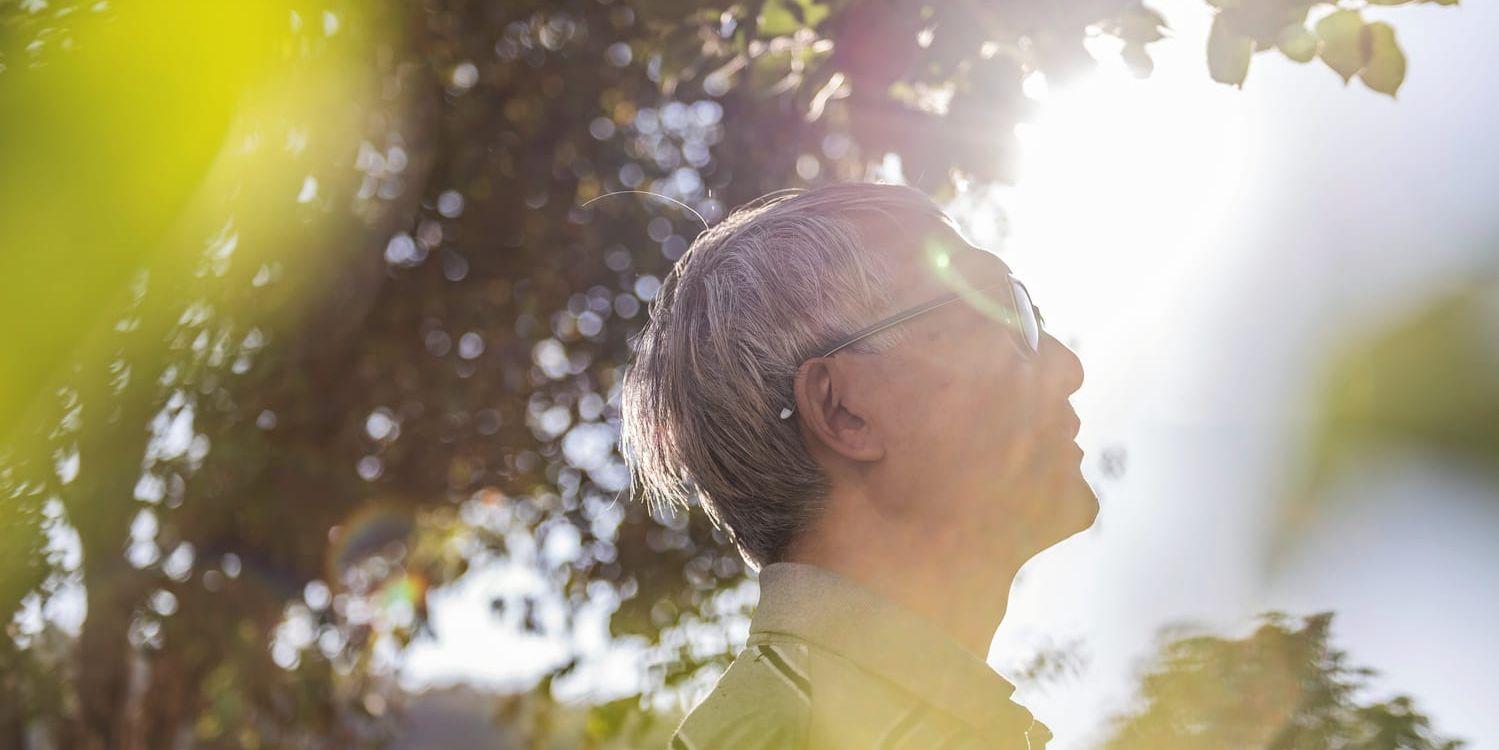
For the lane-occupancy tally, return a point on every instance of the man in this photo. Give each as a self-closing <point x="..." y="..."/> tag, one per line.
<point x="867" y="406"/>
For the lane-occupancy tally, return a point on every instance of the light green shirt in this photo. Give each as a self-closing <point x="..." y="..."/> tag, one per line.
<point x="831" y="665"/>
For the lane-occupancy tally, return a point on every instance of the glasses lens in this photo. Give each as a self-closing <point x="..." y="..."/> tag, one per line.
<point x="1030" y="327"/>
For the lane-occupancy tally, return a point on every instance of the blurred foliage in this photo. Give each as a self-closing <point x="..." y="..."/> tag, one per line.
<point x="1282" y="688"/>
<point x="1425" y="384"/>
<point x="304" y="316"/>
<point x="540" y="722"/>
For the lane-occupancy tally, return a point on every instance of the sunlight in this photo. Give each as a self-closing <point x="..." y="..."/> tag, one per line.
<point x="1125" y="201"/>
<point x="1127" y="193"/>
<point x="1125" y="186"/>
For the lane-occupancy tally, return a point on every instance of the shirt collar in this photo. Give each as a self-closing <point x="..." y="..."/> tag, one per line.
<point x="836" y="614"/>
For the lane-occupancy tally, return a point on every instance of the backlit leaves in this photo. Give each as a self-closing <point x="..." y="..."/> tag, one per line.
<point x="1297" y="43"/>
<point x="1228" y="53"/>
<point x="1341" y="38"/>
<point x="1343" y="49"/>
<point x="1351" y="47"/>
<point x="1385" y="69"/>
<point x="1138" y="26"/>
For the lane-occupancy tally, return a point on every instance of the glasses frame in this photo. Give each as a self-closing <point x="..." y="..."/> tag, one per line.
<point x="912" y="313"/>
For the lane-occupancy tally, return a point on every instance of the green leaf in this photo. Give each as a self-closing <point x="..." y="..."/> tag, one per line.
<point x="812" y="12"/>
<point x="1228" y="54"/>
<point x="1297" y="42"/>
<point x="776" y="19"/>
<point x="1385" y="70"/>
<point x="782" y="17"/>
<point x="1343" y="48"/>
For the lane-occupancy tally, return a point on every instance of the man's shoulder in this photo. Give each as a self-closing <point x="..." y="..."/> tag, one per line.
<point x="763" y="700"/>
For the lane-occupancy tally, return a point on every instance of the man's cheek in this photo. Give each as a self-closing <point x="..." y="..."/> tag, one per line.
<point x="998" y="444"/>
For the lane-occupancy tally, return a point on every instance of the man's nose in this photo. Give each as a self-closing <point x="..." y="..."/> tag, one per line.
<point x="1062" y="364"/>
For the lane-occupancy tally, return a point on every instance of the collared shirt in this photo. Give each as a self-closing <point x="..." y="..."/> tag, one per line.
<point x="831" y="665"/>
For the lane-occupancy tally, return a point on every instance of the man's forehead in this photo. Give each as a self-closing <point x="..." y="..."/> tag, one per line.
<point x="942" y="261"/>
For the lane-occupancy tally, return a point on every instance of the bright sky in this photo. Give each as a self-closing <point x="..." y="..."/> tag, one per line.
<point x="1202" y="245"/>
<point x="1199" y="245"/>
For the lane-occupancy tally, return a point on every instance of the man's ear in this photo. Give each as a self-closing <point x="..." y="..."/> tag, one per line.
<point x="830" y="414"/>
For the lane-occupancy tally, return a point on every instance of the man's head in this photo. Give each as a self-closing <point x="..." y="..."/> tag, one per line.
<point x="946" y="423"/>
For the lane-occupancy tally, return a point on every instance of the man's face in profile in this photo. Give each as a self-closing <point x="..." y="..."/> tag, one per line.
<point x="980" y="429"/>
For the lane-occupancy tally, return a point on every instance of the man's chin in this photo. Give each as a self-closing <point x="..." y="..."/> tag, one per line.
<point x="1087" y="501"/>
<point x="1077" y="504"/>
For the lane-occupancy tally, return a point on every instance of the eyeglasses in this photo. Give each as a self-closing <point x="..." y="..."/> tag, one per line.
<point x="1020" y="316"/>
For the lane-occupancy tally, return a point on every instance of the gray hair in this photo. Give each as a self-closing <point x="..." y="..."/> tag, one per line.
<point x="752" y="299"/>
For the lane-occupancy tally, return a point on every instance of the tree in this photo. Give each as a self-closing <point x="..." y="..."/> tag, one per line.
<point x="276" y="400"/>
<point x="1284" y="688"/>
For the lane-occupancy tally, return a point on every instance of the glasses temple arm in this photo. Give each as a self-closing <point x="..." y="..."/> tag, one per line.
<point x="880" y="327"/>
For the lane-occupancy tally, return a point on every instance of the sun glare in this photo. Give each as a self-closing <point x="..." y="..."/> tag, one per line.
<point x="1127" y="189"/>
<point x="1124" y="187"/>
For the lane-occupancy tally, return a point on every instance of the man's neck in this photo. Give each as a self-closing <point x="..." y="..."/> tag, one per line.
<point x="960" y="589"/>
